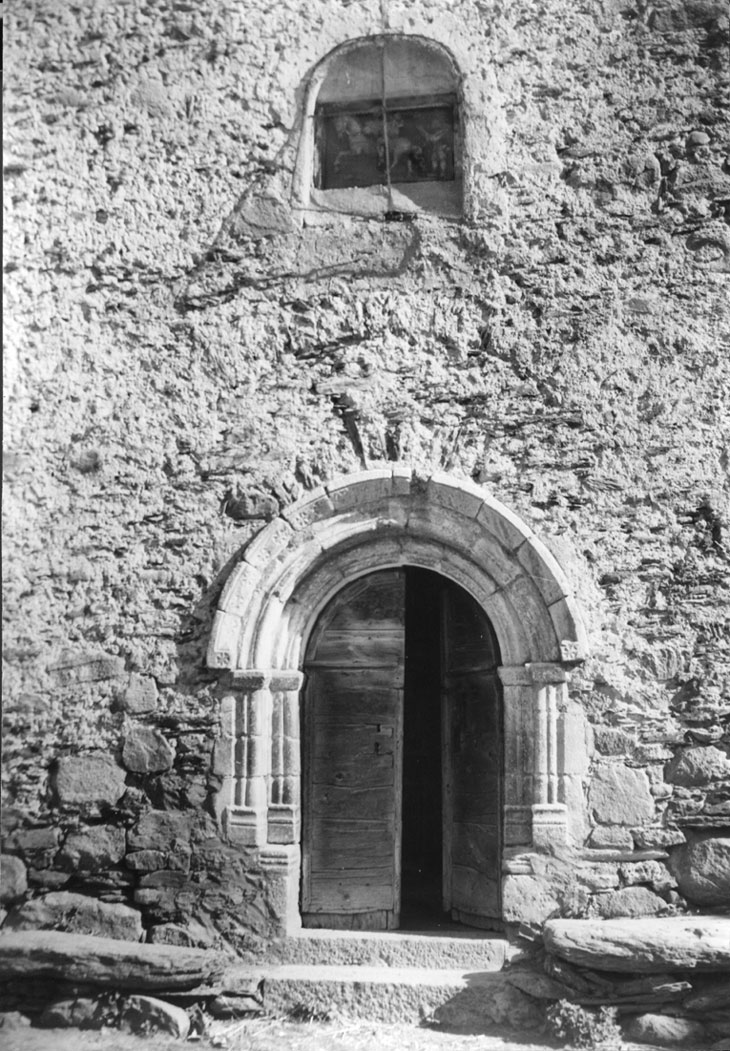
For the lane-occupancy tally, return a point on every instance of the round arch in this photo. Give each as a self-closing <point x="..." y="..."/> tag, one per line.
<point x="346" y="529"/>
<point x="387" y="518"/>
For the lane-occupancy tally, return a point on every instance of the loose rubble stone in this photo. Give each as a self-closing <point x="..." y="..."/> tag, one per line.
<point x="93" y="849"/>
<point x="37" y="846"/>
<point x="666" y="1031"/>
<point x="702" y="869"/>
<point x="62" y="910"/>
<point x="146" y="751"/>
<point x="88" y="780"/>
<point x="147" y="1015"/>
<point x="140" y="695"/>
<point x="619" y="795"/>
<point x="653" y="945"/>
<point x="13" y="879"/>
<point x="81" y="1012"/>
<point x="698" y="766"/>
<point x="106" y="961"/>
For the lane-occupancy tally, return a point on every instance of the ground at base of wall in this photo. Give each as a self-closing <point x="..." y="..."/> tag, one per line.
<point x="263" y="1034"/>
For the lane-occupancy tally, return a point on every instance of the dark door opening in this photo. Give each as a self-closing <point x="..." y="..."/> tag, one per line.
<point x="402" y="758"/>
<point x="422" y="836"/>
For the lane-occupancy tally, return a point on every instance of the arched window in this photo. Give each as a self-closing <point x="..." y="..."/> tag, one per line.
<point x="385" y="127"/>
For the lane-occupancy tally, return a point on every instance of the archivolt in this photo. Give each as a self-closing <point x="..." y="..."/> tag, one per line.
<point x="385" y="518"/>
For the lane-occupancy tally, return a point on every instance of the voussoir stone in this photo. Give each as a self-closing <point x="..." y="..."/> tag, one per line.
<point x="692" y="767"/>
<point x="88" y="780"/>
<point x="619" y="795"/>
<point x="702" y="869"/>
<point x="107" y="962"/>
<point x="647" y="945"/>
<point x="63" y="910"/>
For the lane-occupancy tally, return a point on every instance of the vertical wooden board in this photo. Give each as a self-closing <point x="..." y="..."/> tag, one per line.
<point x="472" y="758"/>
<point x="352" y="718"/>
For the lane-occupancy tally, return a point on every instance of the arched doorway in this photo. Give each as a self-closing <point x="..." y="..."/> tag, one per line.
<point x="401" y="714"/>
<point x="272" y="603"/>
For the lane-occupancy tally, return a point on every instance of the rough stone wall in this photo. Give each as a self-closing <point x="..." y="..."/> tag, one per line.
<point x="186" y="355"/>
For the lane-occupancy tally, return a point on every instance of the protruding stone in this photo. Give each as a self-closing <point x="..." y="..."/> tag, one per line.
<point x="106" y="962"/>
<point x="62" y="910"/>
<point x="13" y="879"/>
<point x="630" y="901"/>
<point x="146" y="751"/>
<point x="611" y="837"/>
<point x="657" y="838"/>
<point x="140" y="695"/>
<point x="666" y="1031"/>
<point x="702" y="869"/>
<point x="648" y="945"/>
<point x="88" y="780"/>
<point x="620" y="795"/>
<point x="693" y="767"/>
<point x="146" y="1014"/>
<point x="93" y="849"/>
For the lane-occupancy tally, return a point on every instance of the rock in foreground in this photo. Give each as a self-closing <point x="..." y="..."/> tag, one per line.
<point x="107" y="961"/>
<point x="646" y="945"/>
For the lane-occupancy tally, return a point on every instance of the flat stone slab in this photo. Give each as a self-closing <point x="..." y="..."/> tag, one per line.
<point x="387" y="994"/>
<point x="111" y="962"/>
<point x="644" y="945"/>
<point x="464" y="951"/>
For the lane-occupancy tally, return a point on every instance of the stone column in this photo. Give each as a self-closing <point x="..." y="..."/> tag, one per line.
<point x="534" y="800"/>
<point x="246" y="751"/>
<point x="283" y="819"/>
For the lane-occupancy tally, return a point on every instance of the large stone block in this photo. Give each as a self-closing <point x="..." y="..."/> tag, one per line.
<point x="629" y="901"/>
<point x="62" y="910"/>
<point x="619" y="795"/>
<point x="147" y="751"/>
<point x="37" y="846"/>
<point x="647" y="945"/>
<point x="702" y="869"/>
<point x="140" y="695"/>
<point x="528" y="899"/>
<point x="88" y="780"/>
<point x="147" y="1014"/>
<point x="13" y="879"/>
<point x="93" y="849"/>
<point x="75" y="668"/>
<point x="666" y="1031"/>
<point x="697" y="766"/>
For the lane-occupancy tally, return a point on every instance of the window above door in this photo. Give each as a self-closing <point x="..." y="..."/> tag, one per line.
<point x="384" y="130"/>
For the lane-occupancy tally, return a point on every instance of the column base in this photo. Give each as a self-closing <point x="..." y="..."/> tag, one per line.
<point x="549" y="824"/>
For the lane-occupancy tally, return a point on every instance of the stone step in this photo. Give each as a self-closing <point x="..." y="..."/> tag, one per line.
<point x="384" y="994"/>
<point x="465" y="950"/>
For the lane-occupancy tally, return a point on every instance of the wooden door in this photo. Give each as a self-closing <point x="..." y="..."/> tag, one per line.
<point x="472" y="762"/>
<point x="353" y="712"/>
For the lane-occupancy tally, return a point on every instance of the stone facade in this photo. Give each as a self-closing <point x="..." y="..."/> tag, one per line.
<point x="200" y="358"/>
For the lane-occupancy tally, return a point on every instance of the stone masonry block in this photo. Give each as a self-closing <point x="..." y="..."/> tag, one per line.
<point x="544" y="570"/>
<point x="238" y="589"/>
<point x="268" y="544"/>
<point x="355" y="490"/>
<point x="88" y="780"/>
<point x="620" y="795"/>
<point x="310" y="509"/>
<point x="464" y="498"/>
<point x="503" y="524"/>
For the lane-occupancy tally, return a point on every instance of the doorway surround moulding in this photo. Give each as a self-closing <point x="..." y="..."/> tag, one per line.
<point x="350" y="527"/>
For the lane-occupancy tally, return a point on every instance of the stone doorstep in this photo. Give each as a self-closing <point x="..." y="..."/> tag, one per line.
<point x="383" y="994"/>
<point x="465" y="950"/>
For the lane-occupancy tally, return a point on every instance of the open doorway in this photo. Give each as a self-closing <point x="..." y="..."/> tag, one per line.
<point x="402" y="757"/>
